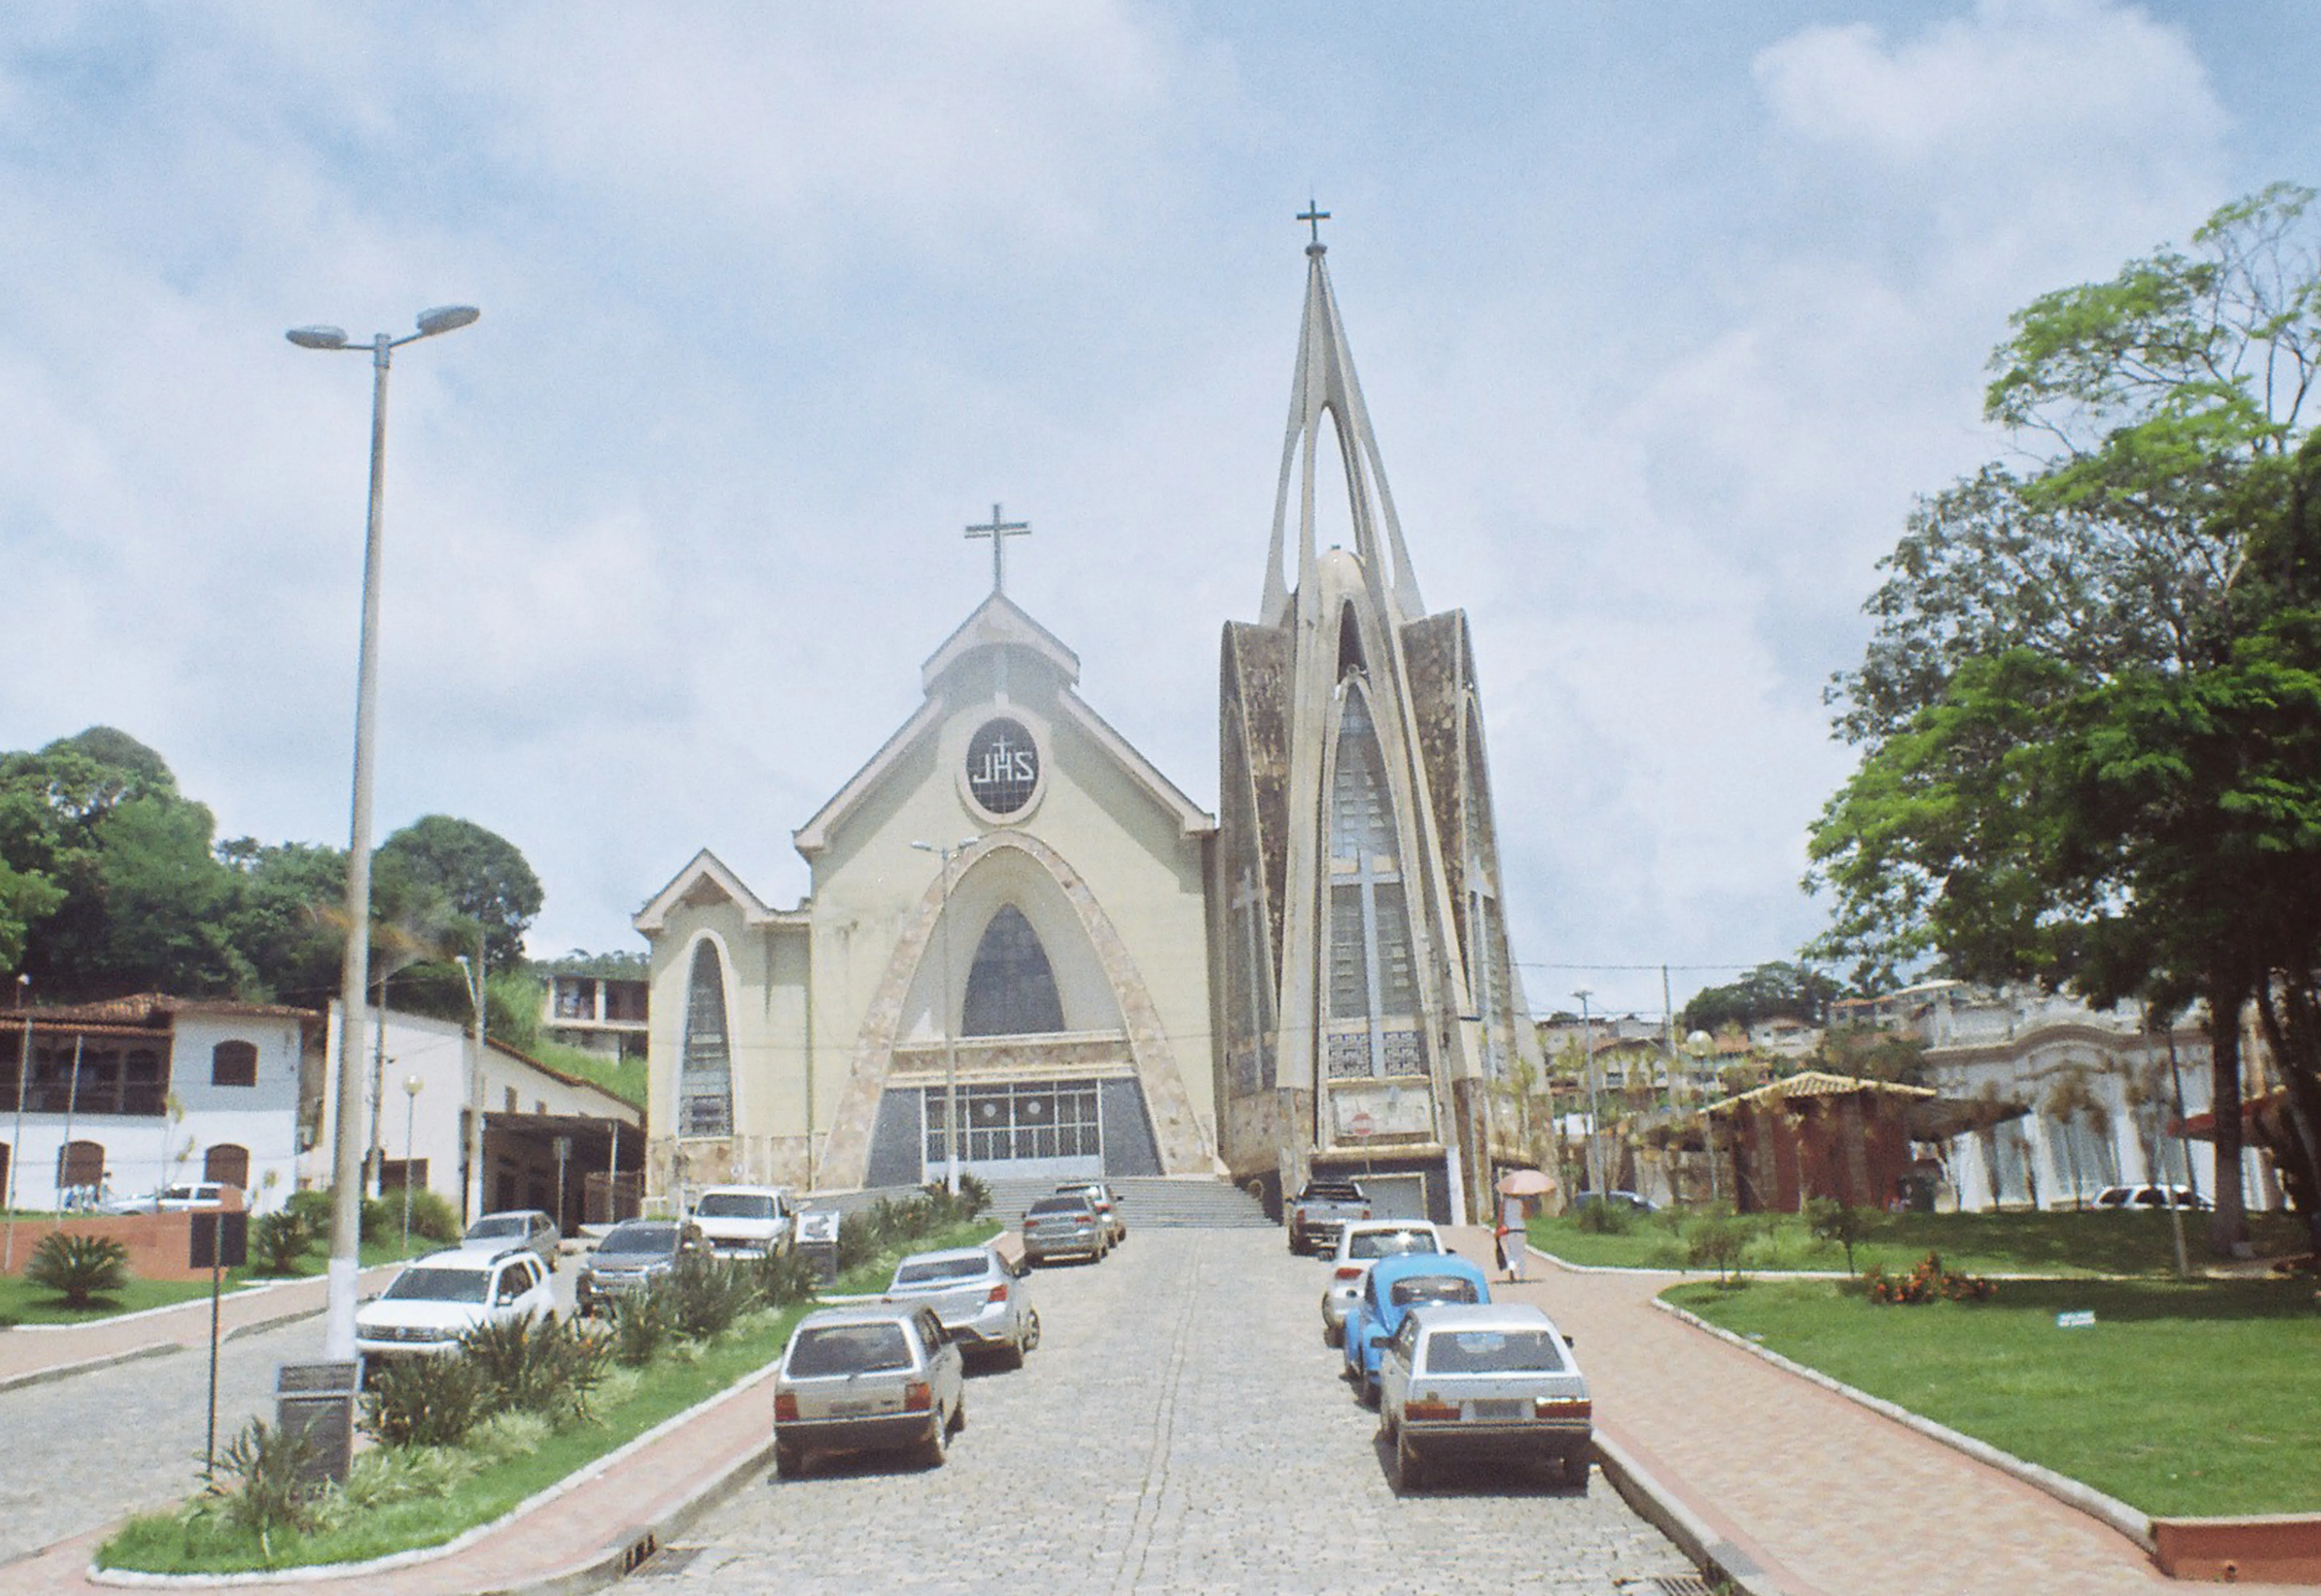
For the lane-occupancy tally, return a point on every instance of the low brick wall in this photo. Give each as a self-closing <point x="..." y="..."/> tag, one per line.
<point x="160" y="1244"/>
<point x="2278" y="1548"/>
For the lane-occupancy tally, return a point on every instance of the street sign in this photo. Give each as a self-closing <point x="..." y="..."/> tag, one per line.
<point x="221" y="1240"/>
<point x="1362" y="1124"/>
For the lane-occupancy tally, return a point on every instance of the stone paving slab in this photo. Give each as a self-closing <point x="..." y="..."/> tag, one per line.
<point x="1827" y="1497"/>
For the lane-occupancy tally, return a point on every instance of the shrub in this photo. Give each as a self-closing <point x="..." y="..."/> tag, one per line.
<point x="974" y="1197"/>
<point x="1597" y="1217"/>
<point x="311" y="1209"/>
<point x="1716" y="1242"/>
<point x="380" y="1222"/>
<point x="423" y="1402"/>
<point x="278" y="1243"/>
<point x="543" y="1365"/>
<point x="858" y="1241"/>
<point x="432" y="1216"/>
<point x="78" y="1268"/>
<point x="272" y="1468"/>
<point x="783" y="1278"/>
<point x="382" y="1476"/>
<point x="705" y="1295"/>
<point x="1928" y="1282"/>
<point x="1830" y="1219"/>
<point x="640" y="1326"/>
<point x="509" y="1433"/>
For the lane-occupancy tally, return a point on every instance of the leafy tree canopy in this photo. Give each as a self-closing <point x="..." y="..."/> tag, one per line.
<point x="480" y="875"/>
<point x="1770" y="990"/>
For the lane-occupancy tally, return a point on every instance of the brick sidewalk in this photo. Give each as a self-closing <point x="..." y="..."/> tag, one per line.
<point x="1829" y="1498"/>
<point x="41" y="1352"/>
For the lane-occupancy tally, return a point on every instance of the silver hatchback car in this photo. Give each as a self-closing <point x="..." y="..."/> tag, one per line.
<point x="868" y="1378"/>
<point x="1064" y="1226"/>
<point x="1491" y="1380"/>
<point x="984" y="1304"/>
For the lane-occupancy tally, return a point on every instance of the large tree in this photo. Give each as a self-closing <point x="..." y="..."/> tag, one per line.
<point x="1773" y="989"/>
<point x="480" y="875"/>
<point x="2084" y="714"/>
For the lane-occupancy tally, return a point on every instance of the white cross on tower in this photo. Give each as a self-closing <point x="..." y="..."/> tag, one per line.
<point x="999" y="530"/>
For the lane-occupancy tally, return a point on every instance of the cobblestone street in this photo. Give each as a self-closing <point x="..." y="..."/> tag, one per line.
<point x="1181" y="1429"/>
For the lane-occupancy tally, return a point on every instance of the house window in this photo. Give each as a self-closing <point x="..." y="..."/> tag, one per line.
<point x="705" y="1087"/>
<point x="1010" y="990"/>
<point x="233" y="1064"/>
<point x="80" y="1164"/>
<point x="227" y="1165"/>
<point x="396" y="1173"/>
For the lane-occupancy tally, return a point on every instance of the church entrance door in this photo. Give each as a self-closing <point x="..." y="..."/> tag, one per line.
<point x="1045" y="1129"/>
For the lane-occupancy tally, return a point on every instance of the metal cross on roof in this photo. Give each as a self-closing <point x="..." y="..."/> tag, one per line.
<point x="999" y="530"/>
<point x="1313" y="215"/>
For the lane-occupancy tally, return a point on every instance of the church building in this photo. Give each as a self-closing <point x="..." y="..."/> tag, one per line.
<point x="1372" y="1012"/>
<point x="1007" y="914"/>
<point x="1019" y="928"/>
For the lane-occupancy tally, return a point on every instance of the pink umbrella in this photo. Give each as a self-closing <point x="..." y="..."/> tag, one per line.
<point x="1525" y="1183"/>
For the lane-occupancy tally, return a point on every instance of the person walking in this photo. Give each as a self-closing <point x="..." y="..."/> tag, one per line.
<point x="1511" y="1235"/>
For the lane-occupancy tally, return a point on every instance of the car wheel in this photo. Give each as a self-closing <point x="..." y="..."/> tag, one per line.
<point x="1332" y="1334"/>
<point x="958" y="1416"/>
<point x="932" y="1450"/>
<point x="1031" y="1330"/>
<point x="790" y="1461"/>
<point x="1409" y="1469"/>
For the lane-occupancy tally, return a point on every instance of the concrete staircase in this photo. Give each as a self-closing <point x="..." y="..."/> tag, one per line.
<point x="1155" y="1202"/>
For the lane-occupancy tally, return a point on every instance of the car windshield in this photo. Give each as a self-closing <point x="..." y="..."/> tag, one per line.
<point x="928" y="1270"/>
<point x="735" y="1205"/>
<point x="849" y="1350"/>
<point x="437" y="1285"/>
<point x="487" y="1229"/>
<point x="639" y="1238"/>
<point x="1432" y="1288"/>
<point x="1492" y="1352"/>
<point x="1389" y="1243"/>
<point x="178" y="1194"/>
<point x="1061" y="1205"/>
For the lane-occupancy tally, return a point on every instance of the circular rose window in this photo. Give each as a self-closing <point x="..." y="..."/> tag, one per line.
<point x="1003" y="767"/>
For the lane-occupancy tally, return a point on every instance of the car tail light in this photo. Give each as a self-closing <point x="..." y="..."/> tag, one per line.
<point x="918" y="1397"/>
<point x="786" y="1409"/>
<point x="1030" y="1223"/>
<point x="1350" y="1272"/>
<point x="1430" y="1409"/>
<point x="998" y="1294"/>
<point x="1564" y="1408"/>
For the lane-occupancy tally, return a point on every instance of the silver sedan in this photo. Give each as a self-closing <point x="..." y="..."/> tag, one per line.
<point x="985" y="1302"/>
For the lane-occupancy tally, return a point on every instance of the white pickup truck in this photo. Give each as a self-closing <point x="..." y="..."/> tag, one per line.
<point x="743" y="1221"/>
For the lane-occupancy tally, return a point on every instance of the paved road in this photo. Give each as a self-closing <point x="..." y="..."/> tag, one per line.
<point x="1180" y="1429"/>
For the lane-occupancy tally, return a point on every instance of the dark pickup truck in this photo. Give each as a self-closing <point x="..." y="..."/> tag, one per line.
<point x="1323" y="1210"/>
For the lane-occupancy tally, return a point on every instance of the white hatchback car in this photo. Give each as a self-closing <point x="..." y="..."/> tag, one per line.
<point x="1362" y="1244"/>
<point x="440" y="1298"/>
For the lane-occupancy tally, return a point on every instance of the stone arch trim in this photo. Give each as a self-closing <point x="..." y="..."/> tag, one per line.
<point x="1184" y="1141"/>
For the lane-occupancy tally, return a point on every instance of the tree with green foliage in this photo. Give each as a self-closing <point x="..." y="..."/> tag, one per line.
<point x="1771" y="990"/>
<point x="2091" y="715"/>
<point x="479" y="873"/>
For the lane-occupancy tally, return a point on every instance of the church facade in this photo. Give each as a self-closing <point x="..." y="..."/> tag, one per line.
<point x="1006" y="929"/>
<point x="1372" y="1014"/>
<point x="1019" y="928"/>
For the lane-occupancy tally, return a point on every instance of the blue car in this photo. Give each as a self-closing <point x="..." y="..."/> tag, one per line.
<point x="1395" y="1286"/>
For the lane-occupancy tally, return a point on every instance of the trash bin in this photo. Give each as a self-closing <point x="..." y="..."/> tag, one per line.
<point x="318" y="1400"/>
<point x="817" y="1243"/>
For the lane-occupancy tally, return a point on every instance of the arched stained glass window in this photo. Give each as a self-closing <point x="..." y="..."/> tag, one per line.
<point x="705" y="1086"/>
<point x="1373" y="995"/>
<point x="1010" y="990"/>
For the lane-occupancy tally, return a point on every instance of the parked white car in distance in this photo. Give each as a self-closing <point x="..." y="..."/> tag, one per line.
<point x="438" y="1299"/>
<point x="1359" y="1244"/>
<point x="743" y="1221"/>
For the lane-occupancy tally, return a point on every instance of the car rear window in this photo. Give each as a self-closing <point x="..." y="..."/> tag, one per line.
<point x="1432" y="1288"/>
<point x="934" y="1269"/>
<point x="849" y="1350"/>
<point x="437" y="1285"/>
<point x="639" y="1238"/>
<point x="1061" y="1205"/>
<point x="735" y="1205"/>
<point x="1491" y="1352"/>
<point x="1334" y="1191"/>
<point x="484" y="1229"/>
<point x="1389" y="1243"/>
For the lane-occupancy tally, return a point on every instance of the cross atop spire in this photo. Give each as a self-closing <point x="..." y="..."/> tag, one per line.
<point x="999" y="530"/>
<point x="1314" y="215"/>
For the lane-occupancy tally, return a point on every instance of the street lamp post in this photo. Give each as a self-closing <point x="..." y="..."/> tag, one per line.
<point x="1595" y="1111"/>
<point x="354" y="972"/>
<point x="16" y="1141"/>
<point x="950" y="1031"/>
<point x="412" y="1087"/>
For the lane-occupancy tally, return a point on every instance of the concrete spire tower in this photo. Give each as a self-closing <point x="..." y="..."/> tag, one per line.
<point x="1368" y="1003"/>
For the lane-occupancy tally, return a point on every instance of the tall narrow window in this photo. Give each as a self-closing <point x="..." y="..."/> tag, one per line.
<point x="233" y="1064"/>
<point x="1372" y="978"/>
<point x="1011" y="989"/>
<point x="705" y="1087"/>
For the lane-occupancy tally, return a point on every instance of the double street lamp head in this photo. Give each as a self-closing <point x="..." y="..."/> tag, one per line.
<point x="443" y="318"/>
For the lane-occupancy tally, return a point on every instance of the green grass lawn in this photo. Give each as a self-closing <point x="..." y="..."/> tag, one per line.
<point x="21" y="1302"/>
<point x="166" y="1543"/>
<point x="624" y="1078"/>
<point x="2051" y="1243"/>
<point x="2184" y="1398"/>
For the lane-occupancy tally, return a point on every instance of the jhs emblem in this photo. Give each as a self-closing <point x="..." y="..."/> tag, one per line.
<point x="1003" y="767"/>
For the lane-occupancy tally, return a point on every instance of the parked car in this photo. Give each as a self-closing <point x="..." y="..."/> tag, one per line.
<point x="633" y="1254"/>
<point x="516" y="1226"/>
<point x="1360" y="1245"/>
<point x="1394" y="1287"/>
<point x="2153" y="1197"/>
<point x="197" y="1196"/>
<point x="1323" y="1209"/>
<point x="743" y="1221"/>
<point x="868" y="1378"/>
<point x="981" y="1299"/>
<point x="437" y="1299"/>
<point x="1106" y="1202"/>
<point x="1489" y="1380"/>
<point x="1064" y="1227"/>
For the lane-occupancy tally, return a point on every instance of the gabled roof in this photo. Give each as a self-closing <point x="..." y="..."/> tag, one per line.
<point x="1813" y="1082"/>
<point x="999" y="621"/>
<point x="707" y="875"/>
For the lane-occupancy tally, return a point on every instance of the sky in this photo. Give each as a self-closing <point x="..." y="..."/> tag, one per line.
<point x="1664" y="314"/>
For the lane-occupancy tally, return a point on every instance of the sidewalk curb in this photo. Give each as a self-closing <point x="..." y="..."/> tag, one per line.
<point x="1667" y="1513"/>
<point x="2109" y="1511"/>
<point x="88" y="1365"/>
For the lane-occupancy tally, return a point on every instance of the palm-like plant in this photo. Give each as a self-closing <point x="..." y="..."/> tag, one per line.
<point x="78" y="1268"/>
